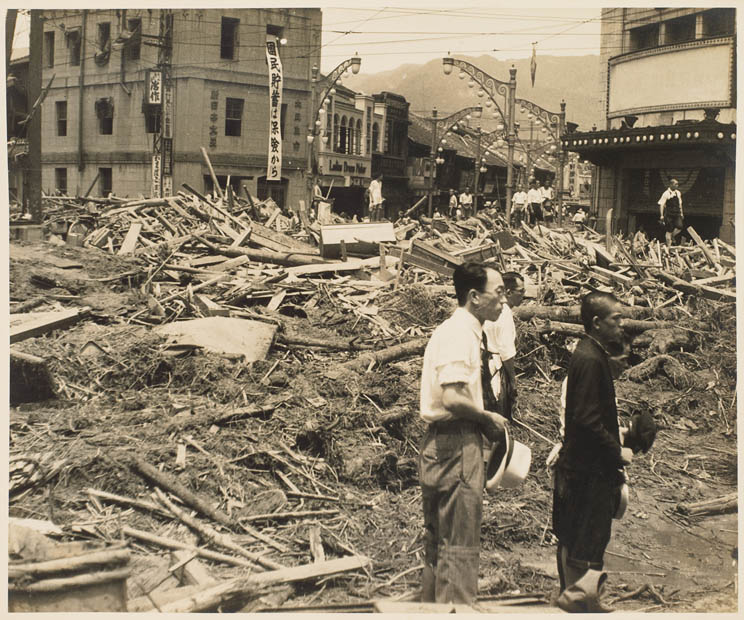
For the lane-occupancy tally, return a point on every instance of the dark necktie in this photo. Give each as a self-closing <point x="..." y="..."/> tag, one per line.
<point x="489" y="400"/>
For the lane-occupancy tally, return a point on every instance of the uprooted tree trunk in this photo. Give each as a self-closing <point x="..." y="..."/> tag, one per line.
<point x="665" y="340"/>
<point x="398" y="351"/>
<point x="680" y="377"/>
<point x="631" y="326"/>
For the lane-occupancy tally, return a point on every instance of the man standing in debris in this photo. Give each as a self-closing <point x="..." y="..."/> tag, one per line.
<point x="534" y="203"/>
<point x="452" y="206"/>
<point x="375" y="199"/>
<point x="466" y="203"/>
<point x="451" y="460"/>
<point x="589" y="470"/>
<point x="519" y="203"/>
<point x="670" y="211"/>
<point x="547" y="200"/>
<point x="501" y="336"/>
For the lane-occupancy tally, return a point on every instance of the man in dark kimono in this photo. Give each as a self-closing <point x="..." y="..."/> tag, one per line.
<point x="589" y="471"/>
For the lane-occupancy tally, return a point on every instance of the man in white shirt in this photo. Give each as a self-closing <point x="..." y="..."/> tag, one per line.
<point x="466" y="203"/>
<point x="501" y="336"/>
<point x="548" y="196"/>
<point x="451" y="463"/>
<point x="375" y="199"/>
<point x="670" y="211"/>
<point x="452" y="206"/>
<point x="534" y="203"/>
<point x="519" y="204"/>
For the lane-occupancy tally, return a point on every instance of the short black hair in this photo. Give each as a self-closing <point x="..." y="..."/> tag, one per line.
<point x="595" y="304"/>
<point x="468" y="276"/>
<point x="511" y="278"/>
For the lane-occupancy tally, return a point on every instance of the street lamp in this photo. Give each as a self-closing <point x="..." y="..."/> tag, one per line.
<point x="440" y="126"/>
<point x="317" y="110"/>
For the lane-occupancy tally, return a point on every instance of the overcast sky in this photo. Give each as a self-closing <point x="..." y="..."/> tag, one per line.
<point x="412" y="31"/>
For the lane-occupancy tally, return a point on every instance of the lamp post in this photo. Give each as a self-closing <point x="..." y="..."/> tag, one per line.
<point x="441" y="126"/>
<point x="491" y="86"/>
<point x="315" y="110"/>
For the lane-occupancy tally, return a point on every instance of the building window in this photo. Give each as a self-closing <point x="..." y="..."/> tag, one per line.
<point x="134" y="45"/>
<point x="375" y="138"/>
<point x="153" y="116"/>
<point x="298" y="104"/>
<point x="680" y="30"/>
<point x="49" y="48"/>
<point x="233" y="116"/>
<point x="719" y="22"/>
<point x="343" y="137"/>
<point x="73" y="43"/>
<point x="105" y="114"/>
<point x="104" y="35"/>
<point x="61" y="108"/>
<point x="105" y="181"/>
<point x="296" y="147"/>
<point x="229" y="38"/>
<point x="298" y="116"/>
<point x="388" y="133"/>
<point x="60" y="180"/>
<point x="276" y="31"/>
<point x="644" y="37"/>
<point x="359" y="137"/>
<point x="296" y="131"/>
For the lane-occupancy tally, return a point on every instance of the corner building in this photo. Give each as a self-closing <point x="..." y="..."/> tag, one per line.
<point x="668" y="78"/>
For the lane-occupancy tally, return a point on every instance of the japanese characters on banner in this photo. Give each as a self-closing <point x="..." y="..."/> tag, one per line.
<point x="154" y="81"/>
<point x="156" y="175"/>
<point x="274" y="167"/>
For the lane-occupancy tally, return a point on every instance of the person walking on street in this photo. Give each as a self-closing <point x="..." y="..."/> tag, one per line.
<point x="466" y="203"/>
<point x="548" y="195"/>
<point x="670" y="211"/>
<point x="534" y="203"/>
<point x="451" y="463"/>
<point x="519" y="204"/>
<point x="452" y="206"/>
<point x="589" y="471"/>
<point x="375" y="199"/>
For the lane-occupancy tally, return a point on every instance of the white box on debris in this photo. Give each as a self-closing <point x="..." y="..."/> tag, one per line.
<point x="229" y="336"/>
<point x="356" y="237"/>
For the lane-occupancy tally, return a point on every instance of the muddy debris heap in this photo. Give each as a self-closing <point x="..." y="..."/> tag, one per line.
<point x="216" y="399"/>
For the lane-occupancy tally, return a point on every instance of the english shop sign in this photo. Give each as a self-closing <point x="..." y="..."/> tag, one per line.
<point x="337" y="166"/>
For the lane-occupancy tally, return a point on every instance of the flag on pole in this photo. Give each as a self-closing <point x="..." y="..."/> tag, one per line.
<point x="533" y="64"/>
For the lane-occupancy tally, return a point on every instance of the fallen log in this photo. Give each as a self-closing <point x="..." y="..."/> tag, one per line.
<point x="27" y="305"/>
<point x="169" y="483"/>
<point x="30" y="379"/>
<point x="247" y="586"/>
<point x="75" y="563"/>
<point x="680" y="377"/>
<point x="718" y="505"/>
<point x="630" y="326"/>
<point x="287" y="259"/>
<point x="398" y="351"/>
<point x="664" y="340"/>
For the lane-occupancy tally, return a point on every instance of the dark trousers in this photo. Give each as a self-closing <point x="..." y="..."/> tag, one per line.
<point x="452" y="480"/>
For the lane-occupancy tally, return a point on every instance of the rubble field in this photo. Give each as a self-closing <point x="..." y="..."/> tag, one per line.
<point x="283" y="430"/>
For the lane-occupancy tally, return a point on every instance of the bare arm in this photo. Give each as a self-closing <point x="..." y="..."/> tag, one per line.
<point x="457" y="400"/>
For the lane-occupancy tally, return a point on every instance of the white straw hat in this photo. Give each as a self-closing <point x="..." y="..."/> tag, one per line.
<point x="508" y="463"/>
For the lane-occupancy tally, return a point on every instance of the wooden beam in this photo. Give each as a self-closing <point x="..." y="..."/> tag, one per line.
<point x="30" y="325"/>
<point x="130" y="241"/>
<point x="696" y="238"/>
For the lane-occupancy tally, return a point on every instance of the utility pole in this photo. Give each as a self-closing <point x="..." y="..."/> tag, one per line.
<point x="477" y="170"/>
<point x="432" y="152"/>
<point x="162" y="141"/>
<point x="510" y="139"/>
<point x="561" y="162"/>
<point x="32" y="178"/>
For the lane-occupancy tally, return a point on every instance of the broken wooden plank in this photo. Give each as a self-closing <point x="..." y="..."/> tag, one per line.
<point x="208" y="307"/>
<point x="34" y="324"/>
<point x="351" y="264"/>
<point x="706" y="252"/>
<point x="727" y="503"/>
<point x="613" y="275"/>
<point x="211" y="597"/>
<point x="701" y="290"/>
<point x="242" y="238"/>
<point x="130" y="241"/>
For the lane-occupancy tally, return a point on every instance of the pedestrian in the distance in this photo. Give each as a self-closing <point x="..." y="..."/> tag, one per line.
<point x="534" y="203"/>
<point x="466" y="203"/>
<point x="519" y="204"/>
<point x="670" y="211"/>
<point x="452" y="206"/>
<point x="375" y="199"/>
<point x="452" y="472"/>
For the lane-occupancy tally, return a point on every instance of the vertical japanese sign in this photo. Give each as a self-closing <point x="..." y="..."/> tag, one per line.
<point x="274" y="166"/>
<point x="154" y="80"/>
<point x="157" y="174"/>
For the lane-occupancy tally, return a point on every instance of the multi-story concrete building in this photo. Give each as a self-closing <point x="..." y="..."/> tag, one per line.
<point x="137" y="93"/>
<point x="669" y="82"/>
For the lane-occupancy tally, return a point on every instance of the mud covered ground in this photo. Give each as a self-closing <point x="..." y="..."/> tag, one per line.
<point x="353" y="440"/>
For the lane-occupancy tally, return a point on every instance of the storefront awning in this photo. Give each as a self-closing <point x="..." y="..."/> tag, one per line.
<point x="599" y="146"/>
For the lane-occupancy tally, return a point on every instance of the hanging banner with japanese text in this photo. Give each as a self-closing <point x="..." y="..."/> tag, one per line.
<point x="274" y="167"/>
